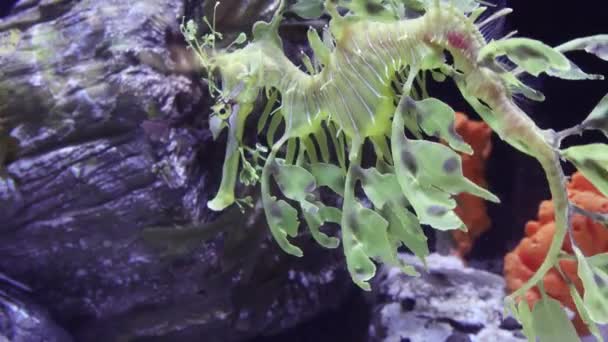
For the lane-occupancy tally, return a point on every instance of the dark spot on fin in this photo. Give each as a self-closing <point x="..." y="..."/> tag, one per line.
<point x="275" y="210"/>
<point x="450" y="165"/>
<point x="527" y="52"/>
<point x="274" y="168"/>
<point x="310" y="187"/>
<point x="351" y="221"/>
<point x="373" y="7"/>
<point x="409" y="161"/>
<point x="436" y="210"/>
<point x="410" y="104"/>
<point x="593" y="165"/>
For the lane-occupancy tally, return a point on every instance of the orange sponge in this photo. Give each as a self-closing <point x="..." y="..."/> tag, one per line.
<point x="472" y="209"/>
<point x="591" y="237"/>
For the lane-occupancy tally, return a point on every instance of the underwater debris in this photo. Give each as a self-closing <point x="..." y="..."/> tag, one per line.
<point x="590" y="236"/>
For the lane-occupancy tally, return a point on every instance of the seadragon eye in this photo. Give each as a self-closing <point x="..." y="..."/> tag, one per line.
<point x="222" y="109"/>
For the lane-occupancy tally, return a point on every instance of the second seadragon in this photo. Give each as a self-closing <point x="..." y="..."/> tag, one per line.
<point x="366" y="85"/>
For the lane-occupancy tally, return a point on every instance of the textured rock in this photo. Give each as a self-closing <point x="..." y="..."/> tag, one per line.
<point x="111" y="124"/>
<point x="22" y="320"/>
<point x="449" y="302"/>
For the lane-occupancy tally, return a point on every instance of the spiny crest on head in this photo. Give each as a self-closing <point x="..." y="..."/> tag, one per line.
<point x="270" y="31"/>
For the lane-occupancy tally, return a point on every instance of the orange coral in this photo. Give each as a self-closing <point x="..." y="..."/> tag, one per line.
<point x="472" y="209"/>
<point x="592" y="238"/>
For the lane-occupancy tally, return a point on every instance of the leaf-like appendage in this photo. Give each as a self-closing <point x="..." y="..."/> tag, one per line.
<point x="263" y="31"/>
<point x="597" y="45"/>
<point x="365" y="236"/>
<point x="592" y="161"/>
<point x="329" y="175"/>
<point x="407" y="109"/>
<point x="316" y="220"/>
<point x="310" y="148"/>
<point x="321" y="51"/>
<point x="437" y="119"/>
<point x="380" y="188"/>
<point x="573" y="73"/>
<point x="429" y="174"/>
<point x="296" y="183"/>
<point x="441" y="167"/>
<point x="584" y="314"/>
<point x="547" y="322"/>
<point x="598" y="119"/>
<point x="433" y="206"/>
<point x="551" y="323"/>
<point x="283" y="222"/>
<point x="403" y="226"/>
<point x="595" y="281"/>
<point x="321" y="138"/>
<point x="521" y="311"/>
<point x="282" y="217"/>
<point x="360" y="266"/>
<point x="308" y="9"/>
<point x="518" y="87"/>
<point x="532" y="55"/>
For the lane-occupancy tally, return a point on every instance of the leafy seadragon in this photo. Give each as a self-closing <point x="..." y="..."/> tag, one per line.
<point x="366" y="85"/>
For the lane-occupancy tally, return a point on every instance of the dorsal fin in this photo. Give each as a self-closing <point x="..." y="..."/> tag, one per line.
<point x="269" y="31"/>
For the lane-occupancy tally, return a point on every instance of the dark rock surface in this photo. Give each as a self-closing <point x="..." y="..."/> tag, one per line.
<point x="110" y="119"/>
<point x="22" y="320"/>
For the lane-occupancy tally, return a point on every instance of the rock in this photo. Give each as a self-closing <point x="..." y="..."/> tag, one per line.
<point x="22" y="320"/>
<point x="110" y="117"/>
<point x="448" y="302"/>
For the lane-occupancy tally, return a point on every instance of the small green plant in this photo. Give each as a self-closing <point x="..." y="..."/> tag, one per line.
<point x="367" y="85"/>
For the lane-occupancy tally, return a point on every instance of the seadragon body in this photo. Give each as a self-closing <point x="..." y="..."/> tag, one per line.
<point x="350" y="100"/>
